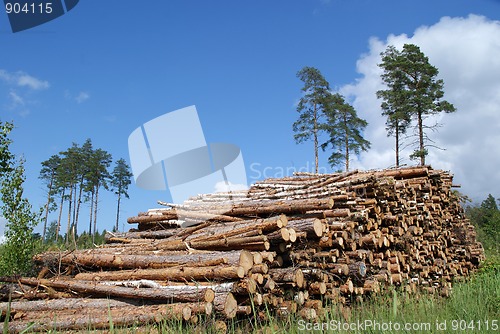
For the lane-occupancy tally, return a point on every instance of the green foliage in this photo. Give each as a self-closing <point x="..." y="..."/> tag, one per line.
<point x="20" y="242"/>
<point x="486" y="219"/>
<point x="345" y="131"/>
<point x="316" y="96"/>
<point x="6" y="156"/>
<point x="413" y="93"/>
<point x="75" y="175"/>
<point x="48" y="175"/>
<point x="52" y="230"/>
<point x="120" y="180"/>
<point x="311" y="107"/>
<point x="85" y="240"/>
<point x="321" y="111"/>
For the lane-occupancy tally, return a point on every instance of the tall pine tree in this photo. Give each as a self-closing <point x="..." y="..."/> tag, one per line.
<point x="345" y="130"/>
<point x="414" y="92"/>
<point x="48" y="175"/>
<point x="311" y="107"/>
<point x="120" y="180"/>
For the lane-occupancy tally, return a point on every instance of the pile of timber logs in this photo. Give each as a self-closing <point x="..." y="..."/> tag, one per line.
<point x="285" y="246"/>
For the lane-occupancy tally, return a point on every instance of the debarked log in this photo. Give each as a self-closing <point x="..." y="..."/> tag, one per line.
<point x="265" y="207"/>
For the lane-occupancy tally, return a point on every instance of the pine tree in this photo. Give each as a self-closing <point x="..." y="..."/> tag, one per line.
<point x="414" y="92"/>
<point x="98" y="178"/>
<point x="311" y="108"/>
<point x="48" y="175"/>
<point x="345" y="130"/>
<point x="120" y="180"/>
<point x="397" y="118"/>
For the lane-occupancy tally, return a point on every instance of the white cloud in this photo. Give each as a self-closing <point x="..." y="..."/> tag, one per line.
<point x="22" y="86"/>
<point x="22" y="79"/>
<point x="82" y="97"/>
<point x="79" y="98"/>
<point x="16" y="99"/>
<point x="32" y="82"/>
<point x="467" y="53"/>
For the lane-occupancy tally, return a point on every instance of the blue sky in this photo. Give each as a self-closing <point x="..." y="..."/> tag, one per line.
<point x="107" y="67"/>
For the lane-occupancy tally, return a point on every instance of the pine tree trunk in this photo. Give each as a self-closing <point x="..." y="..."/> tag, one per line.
<point x="91" y="211"/>
<point x="78" y="203"/>
<point x="421" y="138"/>
<point x="346" y="144"/>
<point x="47" y="207"/>
<point x="315" y="131"/>
<point x="118" y="210"/>
<point x="397" y="144"/>
<point x="70" y="202"/>
<point x="95" y="212"/>
<point x="58" y="228"/>
<point x="73" y="228"/>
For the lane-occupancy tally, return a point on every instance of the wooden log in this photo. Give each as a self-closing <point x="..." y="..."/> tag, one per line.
<point x="161" y="234"/>
<point x="347" y="288"/>
<point x="183" y="294"/>
<point x="266" y="207"/>
<point x="312" y="226"/>
<point x="317" y="288"/>
<point x="83" y="319"/>
<point x="227" y="230"/>
<point x="154" y="218"/>
<point x="173" y="274"/>
<point x="180" y="214"/>
<point x="337" y="213"/>
<point x="96" y="258"/>
<point x="372" y="286"/>
<point x="357" y="269"/>
<point x="287" y="275"/>
<point x="65" y="304"/>
<point x="226" y="304"/>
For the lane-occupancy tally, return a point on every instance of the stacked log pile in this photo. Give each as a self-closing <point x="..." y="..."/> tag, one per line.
<point x="286" y="245"/>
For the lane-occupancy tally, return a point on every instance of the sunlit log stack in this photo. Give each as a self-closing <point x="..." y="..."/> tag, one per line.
<point x="285" y="246"/>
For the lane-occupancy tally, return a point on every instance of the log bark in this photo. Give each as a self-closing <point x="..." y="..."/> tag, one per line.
<point x="226" y="304"/>
<point x="312" y="226"/>
<point x="287" y="275"/>
<point x="83" y="319"/>
<point x="183" y="294"/>
<point x="182" y="273"/>
<point x="97" y="259"/>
